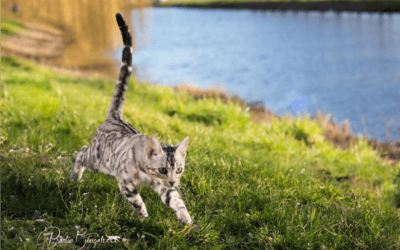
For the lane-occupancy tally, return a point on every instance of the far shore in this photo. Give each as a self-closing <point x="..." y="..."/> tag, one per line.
<point x="358" y="6"/>
<point x="340" y="135"/>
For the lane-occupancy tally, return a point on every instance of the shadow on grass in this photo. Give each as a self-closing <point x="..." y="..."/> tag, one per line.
<point x="397" y="195"/>
<point x="25" y="191"/>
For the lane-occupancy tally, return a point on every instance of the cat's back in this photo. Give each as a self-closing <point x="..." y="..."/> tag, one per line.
<point x="111" y="126"/>
<point x="115" y="132"/>
<point x="112" y="139"/>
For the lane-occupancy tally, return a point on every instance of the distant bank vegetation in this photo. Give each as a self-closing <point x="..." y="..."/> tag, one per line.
<point x="306" y="5"/>
<point x="88" y="26"/>
<point x="205" y="2"/>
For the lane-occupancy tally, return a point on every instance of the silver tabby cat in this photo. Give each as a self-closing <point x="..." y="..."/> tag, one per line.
<point x="119" y="150"/>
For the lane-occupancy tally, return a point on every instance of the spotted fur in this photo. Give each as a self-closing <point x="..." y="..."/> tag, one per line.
<point x="120" y="150"/>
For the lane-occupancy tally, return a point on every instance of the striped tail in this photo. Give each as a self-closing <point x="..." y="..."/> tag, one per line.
<point x="117" y="102"/>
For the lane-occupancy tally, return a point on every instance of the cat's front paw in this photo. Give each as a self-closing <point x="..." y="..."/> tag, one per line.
<point x="142" y="217"/>
<point x="184" y="217"/>
<point x="142" y="212"/>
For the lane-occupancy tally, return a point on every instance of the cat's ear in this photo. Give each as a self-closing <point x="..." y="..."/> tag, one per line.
<point x="182" y="147"/>
<point x="153" y="146"/>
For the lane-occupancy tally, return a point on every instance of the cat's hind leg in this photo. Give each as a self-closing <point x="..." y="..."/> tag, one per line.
<point x="80" y="163"/>
<point x="132" y="195"/>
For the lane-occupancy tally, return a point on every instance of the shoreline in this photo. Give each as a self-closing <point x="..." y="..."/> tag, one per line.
<point x="339" y="6"/>
<point x="339" y="134"/>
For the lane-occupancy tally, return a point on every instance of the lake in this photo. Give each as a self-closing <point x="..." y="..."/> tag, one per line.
<point x="347" y="64"/>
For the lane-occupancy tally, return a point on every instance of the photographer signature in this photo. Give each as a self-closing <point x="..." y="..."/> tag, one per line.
<point x="53" y="236"/>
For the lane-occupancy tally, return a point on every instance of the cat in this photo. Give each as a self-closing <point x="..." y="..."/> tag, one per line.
<point x="120" y="150"/>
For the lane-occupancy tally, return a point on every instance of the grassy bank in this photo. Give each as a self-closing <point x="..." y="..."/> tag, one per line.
<point x="246" y="185"/>
<point x="10" y="27"/>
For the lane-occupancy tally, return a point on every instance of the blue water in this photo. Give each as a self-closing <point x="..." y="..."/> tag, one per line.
<point x="347" y="64"/>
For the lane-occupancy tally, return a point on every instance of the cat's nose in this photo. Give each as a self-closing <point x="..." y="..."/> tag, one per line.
<point x="171" y="183"/>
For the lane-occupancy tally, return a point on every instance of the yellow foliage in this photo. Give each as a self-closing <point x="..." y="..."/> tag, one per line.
<point x="89" y="25"/>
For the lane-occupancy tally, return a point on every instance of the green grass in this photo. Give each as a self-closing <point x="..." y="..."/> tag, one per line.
<point x="246" y="185"/>
<point x="10" y="27"/>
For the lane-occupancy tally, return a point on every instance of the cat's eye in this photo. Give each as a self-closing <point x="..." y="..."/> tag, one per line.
<point x="162" y="170"/>
<point x="179" y="170"/>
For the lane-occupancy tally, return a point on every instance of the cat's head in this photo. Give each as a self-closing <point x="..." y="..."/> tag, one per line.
<point x="166" y="164"/>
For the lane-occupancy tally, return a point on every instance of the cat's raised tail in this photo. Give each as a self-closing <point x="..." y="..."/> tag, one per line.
<point x="117" y="101"/>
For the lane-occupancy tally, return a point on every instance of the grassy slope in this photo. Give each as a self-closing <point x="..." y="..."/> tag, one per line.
<point x="10" y="27"/>
<point x="246" y="185"/>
